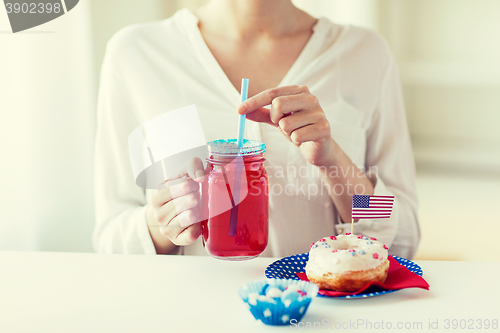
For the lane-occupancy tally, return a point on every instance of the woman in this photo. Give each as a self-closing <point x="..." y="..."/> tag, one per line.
<point x="336" y="115"/>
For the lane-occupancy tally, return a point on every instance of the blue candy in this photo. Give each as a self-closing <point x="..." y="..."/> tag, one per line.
<point x="264" y="289"/>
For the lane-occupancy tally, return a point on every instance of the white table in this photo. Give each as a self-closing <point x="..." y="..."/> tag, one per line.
<point x="72" y="292"/>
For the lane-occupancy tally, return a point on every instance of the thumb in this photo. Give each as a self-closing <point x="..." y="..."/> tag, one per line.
<point x="195" y="169"/>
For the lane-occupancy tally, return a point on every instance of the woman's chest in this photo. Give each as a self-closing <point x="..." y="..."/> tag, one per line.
<point x="264" y="63"/>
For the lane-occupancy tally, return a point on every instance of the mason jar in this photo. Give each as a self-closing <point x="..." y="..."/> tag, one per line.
<point x="235" y="195"/>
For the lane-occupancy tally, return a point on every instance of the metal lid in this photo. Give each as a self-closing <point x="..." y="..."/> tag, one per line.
<point x="229" y="147"/>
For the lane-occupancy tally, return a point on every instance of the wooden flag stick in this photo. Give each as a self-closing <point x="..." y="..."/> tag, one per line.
<point x="352" y="226"/>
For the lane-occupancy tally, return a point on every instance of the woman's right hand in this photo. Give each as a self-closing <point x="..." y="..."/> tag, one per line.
<point x="175" y="211"/>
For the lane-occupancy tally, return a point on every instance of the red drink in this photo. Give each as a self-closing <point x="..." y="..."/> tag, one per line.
<point x="236" y="231"/>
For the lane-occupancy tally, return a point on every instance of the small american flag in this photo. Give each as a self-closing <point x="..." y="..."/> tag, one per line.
<point x="372" y="206"/>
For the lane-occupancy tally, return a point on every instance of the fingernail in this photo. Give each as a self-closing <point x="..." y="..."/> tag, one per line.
<point x="199" y="174"/>
<point x="242" y="108"/>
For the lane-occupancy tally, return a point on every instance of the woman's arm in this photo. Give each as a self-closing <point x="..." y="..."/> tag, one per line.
<point x="299" y="116"/>
<point x="120" y="205"/>
<point x="389" y="154"/>
<point x="126" y="221"/>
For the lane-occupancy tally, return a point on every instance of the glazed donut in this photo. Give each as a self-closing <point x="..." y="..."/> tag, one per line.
<point x="347" y="262"/>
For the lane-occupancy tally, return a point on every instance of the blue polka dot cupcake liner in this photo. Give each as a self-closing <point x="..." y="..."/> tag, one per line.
<point x="278" y="301"/>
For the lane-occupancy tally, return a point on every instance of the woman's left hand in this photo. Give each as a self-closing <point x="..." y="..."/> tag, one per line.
<point x="298" y="115"/>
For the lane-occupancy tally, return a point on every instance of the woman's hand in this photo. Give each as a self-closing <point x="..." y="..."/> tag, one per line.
<point x="174" y="212"/>
<point x="298" y="115"/>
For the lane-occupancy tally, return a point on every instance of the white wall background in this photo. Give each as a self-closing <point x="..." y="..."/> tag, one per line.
<point x="447" y="51"/>
<point x="47" y="103"/>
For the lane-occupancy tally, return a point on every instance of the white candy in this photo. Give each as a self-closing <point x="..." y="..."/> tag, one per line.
<point x="290" y="295"/>
<point x="252" y="298"/>
<point x="293" y="287"/>
<point x="253" y="295"/>
<point x="273" y="292"/>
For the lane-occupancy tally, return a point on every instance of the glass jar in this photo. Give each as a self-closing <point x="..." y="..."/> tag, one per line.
<point x="235" y="197"/>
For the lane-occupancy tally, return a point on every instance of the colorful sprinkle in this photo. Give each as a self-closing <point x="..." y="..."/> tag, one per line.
<point x="353" y="253"/>
<point x="333" y="237"/>
<point x="334" y="251"/>
<point x="361" y="252"/>
<point x="360" y="237"/>
<point x="369" y="242"/>
<point x="352" y="250"/>
<point x="385" y="247"/>
<point x="375" y="256"/>
<point x="365" y="238"/>
<point x="324" y="243"/>
<point x="327" y="246"/>
<point x="311" y="245"/>
<point x="322" y="240"/>
<point x="302" y="293"/>
<point x="373" y="238"/>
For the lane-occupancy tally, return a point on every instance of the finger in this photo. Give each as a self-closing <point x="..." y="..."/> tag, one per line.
<point x="266" y="98"/>
<point x="194" y="169"/>
<point x="171" y="209"/>
<point x="187" y="218"/>
<point x="189" y="235"/>
<point x="286" y="105"/>
<point x="299" y="119"/>
<point x="317" y="132"/>
<point x="175" y="188"/>
<point x="176" y="226"/>
<point x="261" y="115"/>
<point x="185" y="202"/>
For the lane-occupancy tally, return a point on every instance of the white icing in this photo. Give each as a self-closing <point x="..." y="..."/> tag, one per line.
<point x="323" y="261"/>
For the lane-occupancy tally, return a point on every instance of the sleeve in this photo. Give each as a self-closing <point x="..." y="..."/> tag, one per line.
<point x="119" y="203"/>
<point x="391" y="168"/>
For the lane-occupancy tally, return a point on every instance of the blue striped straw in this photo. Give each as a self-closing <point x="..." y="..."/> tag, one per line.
<point x="241" y="125"/>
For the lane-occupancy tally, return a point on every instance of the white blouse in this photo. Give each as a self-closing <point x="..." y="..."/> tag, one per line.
<point x="150" y="69"/>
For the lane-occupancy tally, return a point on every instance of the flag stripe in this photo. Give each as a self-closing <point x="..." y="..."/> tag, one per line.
<point x="372" y="217"/>
<point x="371" y="207"/>
<point x="375" y="207"/>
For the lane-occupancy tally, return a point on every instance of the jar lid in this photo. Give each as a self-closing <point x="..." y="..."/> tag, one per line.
<point x="229" y="147"/>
